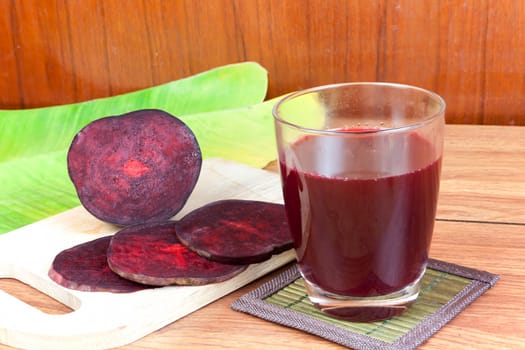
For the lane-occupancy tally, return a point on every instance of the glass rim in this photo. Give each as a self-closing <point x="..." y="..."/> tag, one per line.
<point x="414" y="125"/>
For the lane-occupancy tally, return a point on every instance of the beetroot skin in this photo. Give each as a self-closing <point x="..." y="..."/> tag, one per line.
<point x="152" y="254"/>
<point x="84" y="267"/>
<point x="236" y="231"/>
<point x="134" y="168"/>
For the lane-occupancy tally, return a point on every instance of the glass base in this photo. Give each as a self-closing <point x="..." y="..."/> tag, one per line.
<point x="363" y="309"/>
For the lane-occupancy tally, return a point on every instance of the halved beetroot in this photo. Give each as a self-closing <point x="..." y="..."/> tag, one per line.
<point x="84" y="267"/>
<point x="152" y="254"/>
<point x="137" y="167"/>
<point x="236" y="231"/>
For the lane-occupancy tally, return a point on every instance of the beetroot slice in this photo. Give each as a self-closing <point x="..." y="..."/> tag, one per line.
<point x="236" y="231"/>
<point x="84" y="267"/>
<point x="152" y="254"/>
<point x="133" y="168"/>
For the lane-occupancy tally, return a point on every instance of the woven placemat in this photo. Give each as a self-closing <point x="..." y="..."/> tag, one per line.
<point x="446" y="290"/>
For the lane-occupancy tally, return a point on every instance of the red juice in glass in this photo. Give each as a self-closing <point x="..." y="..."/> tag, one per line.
<point x="360" y="166"/>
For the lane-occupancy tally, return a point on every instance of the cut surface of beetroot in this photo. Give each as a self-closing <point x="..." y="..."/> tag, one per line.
<point x="133" y="168"/>
<point x="152" y="254"/>
<point x="236" y="231"/>
<point x="84" y="267"/>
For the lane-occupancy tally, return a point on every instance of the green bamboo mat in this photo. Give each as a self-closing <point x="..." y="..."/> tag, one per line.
<point x="446" y="290"/>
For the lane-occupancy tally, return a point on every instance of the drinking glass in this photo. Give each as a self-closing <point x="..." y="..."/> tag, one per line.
<point x="360" y="166"/>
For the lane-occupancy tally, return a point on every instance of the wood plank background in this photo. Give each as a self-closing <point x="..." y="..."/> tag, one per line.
<point x="472" y="52"/>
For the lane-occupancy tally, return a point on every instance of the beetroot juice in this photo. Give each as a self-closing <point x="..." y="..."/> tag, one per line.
<point x="361" y="224"/>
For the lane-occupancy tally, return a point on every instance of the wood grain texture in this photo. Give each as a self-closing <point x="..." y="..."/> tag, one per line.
<point x="469" y="51"/>
<point x="480" y="225"/>
<point x="479" y="182"/>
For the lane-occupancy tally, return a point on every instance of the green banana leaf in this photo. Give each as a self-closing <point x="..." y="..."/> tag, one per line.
<point x="222" y="106"/>
<point x="40" y="130"/>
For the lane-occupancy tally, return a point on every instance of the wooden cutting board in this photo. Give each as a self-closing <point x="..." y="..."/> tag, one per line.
<point x="103" y="320"/>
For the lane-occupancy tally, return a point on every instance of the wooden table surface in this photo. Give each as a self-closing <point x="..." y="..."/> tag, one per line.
<point x="480" y="224"/>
